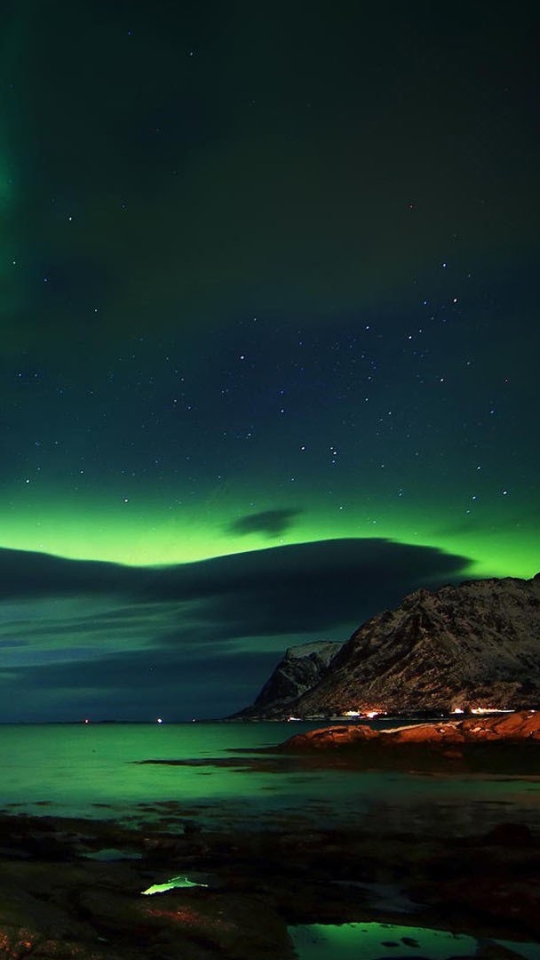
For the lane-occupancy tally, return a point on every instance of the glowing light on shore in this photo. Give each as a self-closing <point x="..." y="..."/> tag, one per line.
<point x="482" y="710"/>
<point x="490" y="710"/>
<point x="369" y="714"/>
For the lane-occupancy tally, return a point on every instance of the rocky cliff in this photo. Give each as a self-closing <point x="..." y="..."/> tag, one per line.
<point x="302" y="667"/>
<point x="475" y="645"/>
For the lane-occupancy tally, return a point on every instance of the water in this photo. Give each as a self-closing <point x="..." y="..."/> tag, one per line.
<point x="95" y="770"/>
<point x="373" y="941"/>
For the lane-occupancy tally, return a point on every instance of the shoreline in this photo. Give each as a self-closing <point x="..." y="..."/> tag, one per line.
<point x="83" y="883"/>
<point x="78" y="886"/>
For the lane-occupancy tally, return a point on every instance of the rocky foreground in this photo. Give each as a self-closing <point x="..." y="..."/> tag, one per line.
<point x="74" y="889"/>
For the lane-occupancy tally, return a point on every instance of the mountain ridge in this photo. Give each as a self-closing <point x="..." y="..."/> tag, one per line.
<point x="299" y="670"/>
<point x="476" y="645"/>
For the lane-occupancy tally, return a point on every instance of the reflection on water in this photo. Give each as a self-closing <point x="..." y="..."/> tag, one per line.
<point x="100" y="771"/>
<point x="373" y="941"/>
<point x="220" y="776"/>
<point x="172" y="884"/>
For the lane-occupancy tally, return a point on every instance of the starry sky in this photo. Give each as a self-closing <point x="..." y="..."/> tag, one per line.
<point x="270" y="342"/>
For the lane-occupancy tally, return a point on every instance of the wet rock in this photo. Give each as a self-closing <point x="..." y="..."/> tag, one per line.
<point x="510" y="835"/>
<point x="235" y="927"/>
<point x="183" y="921"/>
<point x="29" y="927"/>
<point x="331" y="738"/>
<point x="258" y="883"/>
<point x="191" y="828"/>
<point x="513" y="901"/>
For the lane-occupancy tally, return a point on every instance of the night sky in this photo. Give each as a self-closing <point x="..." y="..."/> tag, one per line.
<point x="269" y="334"/>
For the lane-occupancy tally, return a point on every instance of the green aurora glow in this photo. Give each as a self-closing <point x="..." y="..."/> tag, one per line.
<point x="265" y="281"/>
<point x="143" y="533"/>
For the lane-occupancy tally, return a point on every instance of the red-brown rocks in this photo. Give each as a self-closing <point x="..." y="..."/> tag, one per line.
<point x="516" y="727"/>
<point x="332" y="738"/>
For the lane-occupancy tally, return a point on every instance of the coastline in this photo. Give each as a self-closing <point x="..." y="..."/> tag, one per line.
<point x="75" y="887"/>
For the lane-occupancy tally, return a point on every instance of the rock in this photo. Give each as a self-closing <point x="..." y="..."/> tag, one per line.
<point x="493" y="897"/>
<point x="514" y="729"/>
<point x="331" y="738"/>
<point x="302" y="667"/>
<point x="524" y="725"/>
<point x="496" y="951"/>
<point x="236" y="927"/>
<point x="260" y="881"/>
<point x="510" y="835"/>
<point x="30" y="927"/>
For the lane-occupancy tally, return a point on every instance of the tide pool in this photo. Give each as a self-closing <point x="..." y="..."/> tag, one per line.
<point x="373" y="941"/>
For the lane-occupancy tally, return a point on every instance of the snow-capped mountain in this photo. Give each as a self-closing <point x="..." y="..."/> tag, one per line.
<point x="300" y="669"/>
<point x="475" y="645"/>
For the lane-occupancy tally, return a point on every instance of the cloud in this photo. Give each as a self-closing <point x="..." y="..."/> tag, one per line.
<point x="175" y="684"/>
<point x="269" y="522"/>
<point x="303" y="586"/>
<point x="198" y="639"/>
<point x="26" y="574"/>
<point x="39" y="631"/>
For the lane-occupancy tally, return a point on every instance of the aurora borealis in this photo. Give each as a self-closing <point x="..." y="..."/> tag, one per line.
<point x="267" y="281"/>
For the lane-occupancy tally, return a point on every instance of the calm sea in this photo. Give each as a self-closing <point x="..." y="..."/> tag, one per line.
<point x="95" y="770"/>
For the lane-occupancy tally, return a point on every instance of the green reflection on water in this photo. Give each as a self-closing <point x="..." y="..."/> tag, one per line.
<point x="171" y="884"/>
<point x="372" y="941"/>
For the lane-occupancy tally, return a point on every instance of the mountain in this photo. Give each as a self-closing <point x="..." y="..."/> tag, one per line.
<point x="474" y="645"/>
<point x="301" y="668"/>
